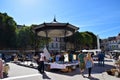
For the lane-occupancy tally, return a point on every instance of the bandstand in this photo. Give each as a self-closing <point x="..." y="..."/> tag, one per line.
<point x="54" y="29"/>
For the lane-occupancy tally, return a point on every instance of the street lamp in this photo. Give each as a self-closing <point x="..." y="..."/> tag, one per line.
<point x="98" y="42"/>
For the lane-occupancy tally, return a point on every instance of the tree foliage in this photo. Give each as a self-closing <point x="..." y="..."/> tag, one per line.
<point x="94" y="39"/>
<point x="27" y="39"/>
<point x="83" y="40"/>
<point x="7" y="31"/>
<point x="24" y="37"/>
<point x="87" y="40"/>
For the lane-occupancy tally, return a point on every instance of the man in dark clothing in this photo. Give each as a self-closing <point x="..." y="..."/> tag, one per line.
<point x="62" y="58"/>
<point x="98" y="58"/>
<point x="101" y="57"/>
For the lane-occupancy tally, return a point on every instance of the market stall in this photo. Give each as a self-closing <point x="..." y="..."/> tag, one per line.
<point x="65" y="67"/>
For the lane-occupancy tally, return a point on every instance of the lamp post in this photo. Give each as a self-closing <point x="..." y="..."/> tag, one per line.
<point x="98" y="42"/>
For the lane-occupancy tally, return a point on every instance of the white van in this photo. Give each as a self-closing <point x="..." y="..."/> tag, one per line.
<point x="94" y="53"/>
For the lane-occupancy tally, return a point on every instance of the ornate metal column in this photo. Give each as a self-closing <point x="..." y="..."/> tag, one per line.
<point x="46" y="39"/>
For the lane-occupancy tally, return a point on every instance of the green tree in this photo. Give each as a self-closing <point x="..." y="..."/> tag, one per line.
<point x="75" y="39"/>
<point x="26" y="39"/>
<point x="78" y="39"/>
<point x="94" y="39"/>
<point x="82" y="40"/>
<point x="7" y="31"/>
<point x="87" y="40"/>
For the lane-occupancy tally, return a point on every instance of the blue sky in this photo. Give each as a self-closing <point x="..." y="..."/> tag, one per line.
<point x="102" y="17"/>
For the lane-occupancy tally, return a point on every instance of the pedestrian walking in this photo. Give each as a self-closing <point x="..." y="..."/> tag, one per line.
<point x="81" y="60"/>
<point x="1" y="67"/>
<point x="42" y="58"/>
<point x="89" y="63"/>
<point x="101" y="57"/>
<point x="71" y="56"/>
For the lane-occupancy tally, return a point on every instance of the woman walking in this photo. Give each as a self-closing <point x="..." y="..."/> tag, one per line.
<point x="89" y="63"/>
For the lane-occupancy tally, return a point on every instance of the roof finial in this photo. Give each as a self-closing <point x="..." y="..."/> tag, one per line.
<point x="54" y="20"/>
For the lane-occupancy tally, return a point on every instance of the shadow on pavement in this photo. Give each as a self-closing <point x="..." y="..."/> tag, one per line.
<point x="100" y="68"/>
<point x="44" y="76"/>
<point x="91" y="78"/>
<point x="95" y="70"/>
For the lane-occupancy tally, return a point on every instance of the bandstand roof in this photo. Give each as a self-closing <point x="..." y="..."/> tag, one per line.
<point x="55" y="29"/>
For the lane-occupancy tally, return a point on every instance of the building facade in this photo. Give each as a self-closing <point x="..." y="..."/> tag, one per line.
<point x="111" y="43"/>
<point x="56" y="44"/>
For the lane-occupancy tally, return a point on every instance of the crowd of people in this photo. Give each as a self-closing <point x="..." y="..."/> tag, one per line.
<point x="56" y="57"/>
<point x="85" y="61"/>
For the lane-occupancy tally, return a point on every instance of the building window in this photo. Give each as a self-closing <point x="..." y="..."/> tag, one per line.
<point x="55" y="39"/>
<point x="116" y="46"/>
<point x="56" y="45"/>
<point x="52" y="45"/>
